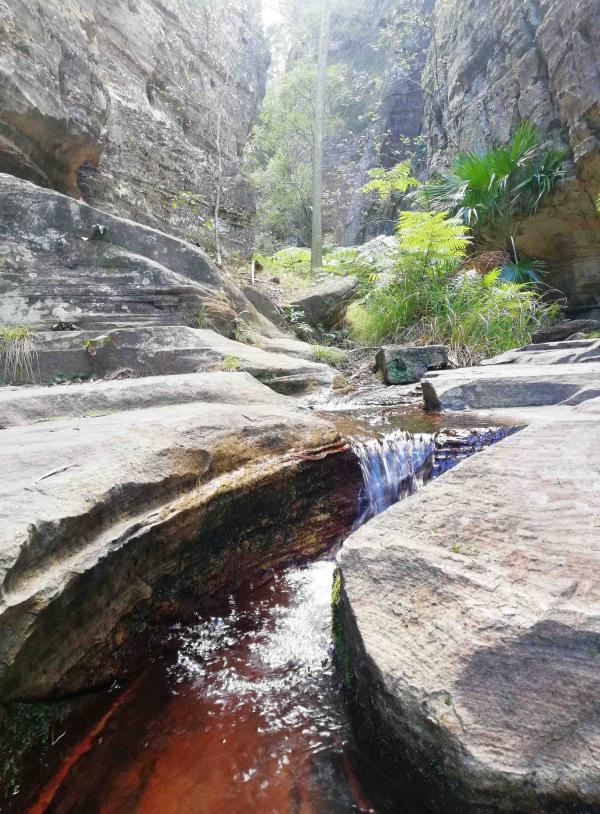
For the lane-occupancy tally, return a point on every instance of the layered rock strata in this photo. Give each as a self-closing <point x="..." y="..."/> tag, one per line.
<point x="128" y="104"/>
<point x="113" y="522"/>
<point x="62" y="261"/>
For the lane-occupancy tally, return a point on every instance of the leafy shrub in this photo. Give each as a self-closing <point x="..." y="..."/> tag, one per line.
<point x="433" y="299"/>
<point x="492" y="190"/>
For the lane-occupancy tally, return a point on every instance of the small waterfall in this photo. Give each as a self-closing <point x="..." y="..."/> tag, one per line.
<point x="392" y="467"/>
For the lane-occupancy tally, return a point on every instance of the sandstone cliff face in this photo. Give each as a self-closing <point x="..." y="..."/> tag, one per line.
<point x="492" y="65"/>
<point x="118" y="102"/>
<point x="386" y="41"/>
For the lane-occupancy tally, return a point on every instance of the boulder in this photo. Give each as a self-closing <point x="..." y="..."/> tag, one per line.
<point x="469" y="630"/>
<point x="406" y="364"/>
<point x="325" y="305"/>
<point x="565" y="329"/>
<point x="112" y="523"/>
<point x="63" y="261"/>
<point x="115" y="103"/>
<point x="569" y="351"/>
<point x="168" y="350"/>
<point x="515" y="385"/>
<point x="264" y="305"/>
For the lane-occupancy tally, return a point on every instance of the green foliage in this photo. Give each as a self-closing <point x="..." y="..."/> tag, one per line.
<point x="26" y="730"/>
<point x="18" y="351"/>
<point x="598" y="204"/>
<point x="337" y="632"/>
<point x="297" y="322"/>
<point x="523" y="270"/>
<point x="395" y="181"/>
<point x="279" y="154"/>
<point x="433" y="236"/>
<point x="492" y="189"/>
<point x="328" y="356"/>
<point x="231" y="364"/>
<point x="291" y="259"/>
<point x="432" y="299"/>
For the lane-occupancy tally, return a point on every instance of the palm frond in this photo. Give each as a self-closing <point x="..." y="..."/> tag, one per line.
<point x="522" y="271"/>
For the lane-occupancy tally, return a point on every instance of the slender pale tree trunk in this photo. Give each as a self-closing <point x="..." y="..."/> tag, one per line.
<point x="316" y="260"/>
<point x="218" y="189"/>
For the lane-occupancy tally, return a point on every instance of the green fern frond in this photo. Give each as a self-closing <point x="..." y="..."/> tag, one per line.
<point x="491" y="278"/>
<point x="433" y="233"/>
<point x="386" y="182"/>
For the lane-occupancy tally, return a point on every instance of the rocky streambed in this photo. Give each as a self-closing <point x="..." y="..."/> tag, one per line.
<point x="238" y="698"/>
<point x="175" y="544"/>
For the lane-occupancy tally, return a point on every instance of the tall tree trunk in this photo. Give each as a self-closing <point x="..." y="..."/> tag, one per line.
<point x="219" y="182"/>
<point x="316" y="258"/>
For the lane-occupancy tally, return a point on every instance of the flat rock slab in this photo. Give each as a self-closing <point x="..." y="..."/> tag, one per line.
<point x="551" y="353"/>
<point x="563" y="330"/>
<point x="168" y="350"/>
<point x="513" y="385"/>
<point x="29" y="405"/>
<point x="407" y="364"/>
<point x="471" y="614"/>
<point x="107" y="521"/>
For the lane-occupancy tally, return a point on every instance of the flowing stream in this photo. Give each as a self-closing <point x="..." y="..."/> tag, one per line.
<point x="244" y="713"/>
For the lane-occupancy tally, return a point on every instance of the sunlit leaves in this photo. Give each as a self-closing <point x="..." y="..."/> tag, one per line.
<point x="491" y="187"/>
<point x="398" y="179"/>
<point x="433" y="234"/>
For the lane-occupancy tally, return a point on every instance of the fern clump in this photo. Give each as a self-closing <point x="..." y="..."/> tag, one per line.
<point x="436" y="297"/>
<point x="433" y="235"/>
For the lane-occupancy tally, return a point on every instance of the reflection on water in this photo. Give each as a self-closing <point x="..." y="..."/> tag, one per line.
<point x="243" y="713"/>
<point x="246" y="718"/>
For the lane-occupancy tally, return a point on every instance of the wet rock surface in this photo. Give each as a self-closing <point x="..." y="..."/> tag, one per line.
<point x="110" y="522"/>
<point x="470" y="618"/>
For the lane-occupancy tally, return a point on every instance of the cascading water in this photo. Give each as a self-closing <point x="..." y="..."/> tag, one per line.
<point x="392" y="467"/>
<point x="245" y="713"/>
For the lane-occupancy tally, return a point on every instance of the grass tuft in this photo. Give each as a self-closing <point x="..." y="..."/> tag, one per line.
<point x="18" y="352"/>
<point x="328" y="356"/>
<point x="231" y="364"/>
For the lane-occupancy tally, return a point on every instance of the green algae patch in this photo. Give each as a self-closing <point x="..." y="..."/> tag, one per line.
<point x="337" y="632"/>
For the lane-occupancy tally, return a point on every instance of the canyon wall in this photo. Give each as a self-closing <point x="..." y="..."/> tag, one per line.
<point x="128" y="103"/>
<point x="492" y="65"/>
